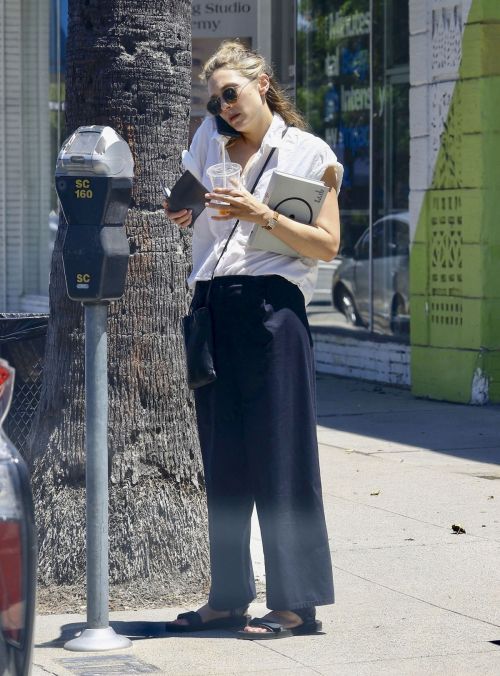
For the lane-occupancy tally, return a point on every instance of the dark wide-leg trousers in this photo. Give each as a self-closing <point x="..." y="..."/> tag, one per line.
<point x="257" y="429"/>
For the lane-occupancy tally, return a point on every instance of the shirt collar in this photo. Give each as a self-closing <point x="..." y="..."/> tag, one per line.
<point x="274" y="135"/>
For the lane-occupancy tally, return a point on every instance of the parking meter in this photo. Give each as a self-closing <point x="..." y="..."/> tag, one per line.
<point x="94" y="184"/>
<point x="94" y="175"/>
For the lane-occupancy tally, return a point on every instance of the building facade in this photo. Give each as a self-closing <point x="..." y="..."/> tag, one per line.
<point x="404" y="91"/>
<point x="407" y="94"/>
<point x="454" y="197"/>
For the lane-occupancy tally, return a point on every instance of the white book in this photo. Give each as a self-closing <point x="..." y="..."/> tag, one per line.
<point x="295" y="197"/>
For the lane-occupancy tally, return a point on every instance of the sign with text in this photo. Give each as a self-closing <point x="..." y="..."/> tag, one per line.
<point x="224" y="19"/>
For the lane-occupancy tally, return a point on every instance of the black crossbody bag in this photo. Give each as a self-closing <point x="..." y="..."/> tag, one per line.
<point x="197" y="325"/>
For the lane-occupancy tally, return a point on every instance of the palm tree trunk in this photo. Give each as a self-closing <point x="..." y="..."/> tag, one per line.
<point x="129" y="67"/>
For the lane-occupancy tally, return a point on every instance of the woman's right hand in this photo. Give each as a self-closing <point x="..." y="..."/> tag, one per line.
<point x="181" y="218"/>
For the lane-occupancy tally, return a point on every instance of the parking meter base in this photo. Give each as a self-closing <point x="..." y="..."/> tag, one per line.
<point x="95" y="262"/>
<point x="96" y="640"/>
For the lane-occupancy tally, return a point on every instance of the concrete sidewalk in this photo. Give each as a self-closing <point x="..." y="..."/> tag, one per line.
<point x="412" y="596"/>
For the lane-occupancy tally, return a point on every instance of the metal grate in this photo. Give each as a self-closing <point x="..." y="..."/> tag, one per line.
<point x="22" y="344"/>
<point x="101" y="665"/>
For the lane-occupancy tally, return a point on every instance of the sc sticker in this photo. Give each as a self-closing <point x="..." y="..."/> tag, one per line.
<point x="82" y="281"/>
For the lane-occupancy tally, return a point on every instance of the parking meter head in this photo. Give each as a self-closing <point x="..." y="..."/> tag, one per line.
<point x="99" y="151"/>
<point x="94" y="175"/>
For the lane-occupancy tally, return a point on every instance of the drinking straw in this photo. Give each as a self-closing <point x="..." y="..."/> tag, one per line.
<point x="223" y="151"/>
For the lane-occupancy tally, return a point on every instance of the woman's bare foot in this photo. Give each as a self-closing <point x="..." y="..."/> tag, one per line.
<point x="287" y="618"/>
<point x="206" y="613"/>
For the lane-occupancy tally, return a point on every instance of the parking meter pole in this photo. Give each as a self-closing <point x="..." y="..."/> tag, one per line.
<point x="98" y="635"/>
<point x="96" y="424"/>
<point x="94" y="178"/>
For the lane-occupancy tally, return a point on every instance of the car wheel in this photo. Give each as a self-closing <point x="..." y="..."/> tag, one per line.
<point x="345" y="304"/>
<point x="400" y="320"/>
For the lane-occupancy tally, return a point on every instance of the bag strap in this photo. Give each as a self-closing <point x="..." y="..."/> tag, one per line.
<point x="271" y="152"/>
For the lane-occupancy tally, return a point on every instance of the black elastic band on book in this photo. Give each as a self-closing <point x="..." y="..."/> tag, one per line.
<point x="271" y="152"/>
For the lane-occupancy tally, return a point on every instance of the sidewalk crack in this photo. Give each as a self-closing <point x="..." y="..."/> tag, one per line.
<point x="263" y="644"/>
<point x="405" y="516"/>
<point x="45" y="671"/>
<point x="417" y="598"/>
<point x="388" y="660"/>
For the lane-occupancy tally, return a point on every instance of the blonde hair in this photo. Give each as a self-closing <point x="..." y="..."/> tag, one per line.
<point x="232" y="54"/>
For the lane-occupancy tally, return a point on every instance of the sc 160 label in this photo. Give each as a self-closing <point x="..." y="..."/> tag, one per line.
<point x="83" y="189"/>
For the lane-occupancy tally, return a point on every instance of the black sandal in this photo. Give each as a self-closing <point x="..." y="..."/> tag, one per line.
<point x="310" y="625"/>
<point x="237" y="619"/>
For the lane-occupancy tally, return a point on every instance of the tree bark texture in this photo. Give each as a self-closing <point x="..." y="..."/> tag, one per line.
<point x="129" y="67"/>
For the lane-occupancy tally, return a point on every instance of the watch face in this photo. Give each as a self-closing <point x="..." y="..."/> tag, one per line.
<point x="272" y="222"/>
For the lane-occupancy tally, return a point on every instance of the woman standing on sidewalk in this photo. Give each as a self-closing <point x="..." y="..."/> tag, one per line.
<point x="257" y="421"/>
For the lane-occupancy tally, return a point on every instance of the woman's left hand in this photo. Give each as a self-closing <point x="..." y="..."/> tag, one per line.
<point x="240" y="204"/>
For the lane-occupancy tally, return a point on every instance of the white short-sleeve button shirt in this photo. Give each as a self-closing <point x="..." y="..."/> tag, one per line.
<point x="299" y="153"/>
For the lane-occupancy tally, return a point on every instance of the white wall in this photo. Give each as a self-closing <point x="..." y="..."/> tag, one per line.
<point x="373" y="359"/>
<point x="436" y="29"/>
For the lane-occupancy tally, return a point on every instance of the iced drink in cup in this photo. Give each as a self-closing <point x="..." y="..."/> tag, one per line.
<point x="224" y="175"/>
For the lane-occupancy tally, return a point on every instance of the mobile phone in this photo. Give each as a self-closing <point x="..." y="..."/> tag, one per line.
<point x="166" y="191"/>
<point x="224" y="128"/>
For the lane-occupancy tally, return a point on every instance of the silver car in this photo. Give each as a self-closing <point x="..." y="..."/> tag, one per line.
<point x="350" y="285"/>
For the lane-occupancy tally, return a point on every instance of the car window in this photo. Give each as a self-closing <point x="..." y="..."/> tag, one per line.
<point x="390" y="238"/>
<point x="401" y="238"/>
<point x="362" y="248"/>
<point x="380" y="241"/>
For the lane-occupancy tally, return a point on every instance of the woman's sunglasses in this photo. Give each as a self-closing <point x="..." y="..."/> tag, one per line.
<point x="229" y="96"/>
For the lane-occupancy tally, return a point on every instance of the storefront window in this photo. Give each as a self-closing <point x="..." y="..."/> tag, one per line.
<point x="352" y="79"/>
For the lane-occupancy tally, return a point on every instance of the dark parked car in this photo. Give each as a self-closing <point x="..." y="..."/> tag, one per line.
<point x="350" y="285"/>
<point x="17" y="548"/>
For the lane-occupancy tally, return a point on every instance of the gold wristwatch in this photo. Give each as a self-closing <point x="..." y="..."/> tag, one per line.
<point x="271" y="221"/>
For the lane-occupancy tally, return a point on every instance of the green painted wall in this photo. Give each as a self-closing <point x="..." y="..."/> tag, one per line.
<point x="455" y="259"/>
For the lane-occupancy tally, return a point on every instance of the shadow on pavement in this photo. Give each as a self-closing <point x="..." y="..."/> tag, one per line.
<point x="136" y="630"/>
<point x="391" y="419"/>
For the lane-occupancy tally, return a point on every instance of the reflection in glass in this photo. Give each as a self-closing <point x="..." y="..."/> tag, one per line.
<point x="350" y="286"/>
<point x="333" y="90"/>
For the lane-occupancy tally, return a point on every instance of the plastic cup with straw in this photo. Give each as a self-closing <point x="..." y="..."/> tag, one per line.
<point x="224" y="175"/>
